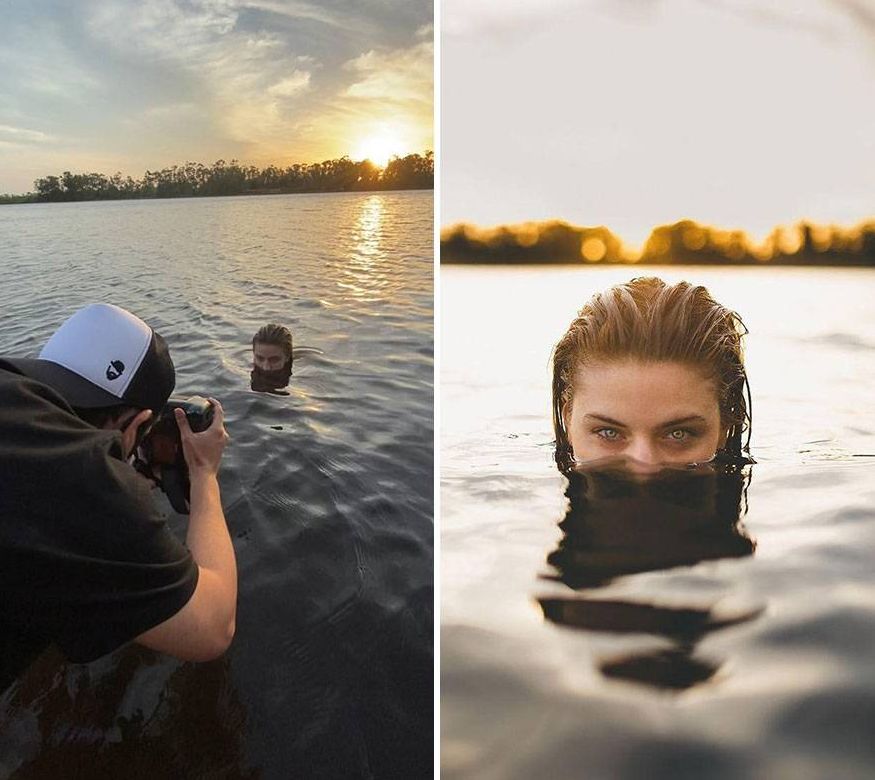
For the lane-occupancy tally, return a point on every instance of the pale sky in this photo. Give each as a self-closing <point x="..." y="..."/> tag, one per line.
<point x="126" y="85"/>
<point x="632" y="113"/>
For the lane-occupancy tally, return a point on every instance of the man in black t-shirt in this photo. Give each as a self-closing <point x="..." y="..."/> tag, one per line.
<point x="86" y="562"/>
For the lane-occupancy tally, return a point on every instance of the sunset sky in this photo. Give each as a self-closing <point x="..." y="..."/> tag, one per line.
<point x="117" y="85"/>
<point x="631" y="113"/>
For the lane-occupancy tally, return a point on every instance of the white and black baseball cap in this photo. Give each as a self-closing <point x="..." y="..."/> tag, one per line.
<point x="104" y="356"/>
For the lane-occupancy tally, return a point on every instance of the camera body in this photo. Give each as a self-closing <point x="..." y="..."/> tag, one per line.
<point x="161" y="448"/>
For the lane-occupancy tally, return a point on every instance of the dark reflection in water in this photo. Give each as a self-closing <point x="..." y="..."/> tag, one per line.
<point x="194" y="725"/>
<point x="619" y="524"/>
<point x="264" y="381"/>
<point x="275" y="381"/>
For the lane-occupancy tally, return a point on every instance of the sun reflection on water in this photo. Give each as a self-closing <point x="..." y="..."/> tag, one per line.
<point x="370" y="224"/>
<point x="365" y="276"/>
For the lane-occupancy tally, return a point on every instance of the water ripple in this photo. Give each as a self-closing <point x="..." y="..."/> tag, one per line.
<point x="328" y="491"/>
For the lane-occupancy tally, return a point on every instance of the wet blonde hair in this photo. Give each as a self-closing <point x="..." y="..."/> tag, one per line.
<point x="278" y="335"/>
<point x="648" y="320"/>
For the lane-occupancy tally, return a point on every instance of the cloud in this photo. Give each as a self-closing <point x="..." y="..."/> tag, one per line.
<point x="158" y="81"/>
<point x="399" y="75"/>
<point x="812" y="19"/>
<point x="239" y="74"/>
<point x="168" y="110"/>
<point x="21" y="136"/>
<point x="861" y="11"/>
<point x="297" y="10"/>
<point x="288" y="87"/>
<point x="384" y="92"/>
<point x="488" y="18"/>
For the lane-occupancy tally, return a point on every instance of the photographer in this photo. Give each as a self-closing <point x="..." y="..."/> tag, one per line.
<point x="86" y="561"/>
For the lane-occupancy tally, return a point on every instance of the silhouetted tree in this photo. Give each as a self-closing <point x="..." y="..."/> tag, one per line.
<point x="231" y="178"/>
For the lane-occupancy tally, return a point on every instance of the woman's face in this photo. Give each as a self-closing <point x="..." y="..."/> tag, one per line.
<point x="268" y="357"/>
<point x="661" y="413"/>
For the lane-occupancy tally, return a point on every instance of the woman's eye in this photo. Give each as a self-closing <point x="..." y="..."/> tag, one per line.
<point x="608" y="434"/>
<point x="679" y="434"/>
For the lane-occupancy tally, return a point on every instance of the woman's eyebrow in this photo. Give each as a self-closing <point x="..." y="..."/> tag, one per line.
<point x="605" y="419"/>
<point x="697" y="418"/>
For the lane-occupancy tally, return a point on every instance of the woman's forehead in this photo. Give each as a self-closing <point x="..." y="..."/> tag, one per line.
<point x="644" y="388"/>
<point x="267" y="350"/>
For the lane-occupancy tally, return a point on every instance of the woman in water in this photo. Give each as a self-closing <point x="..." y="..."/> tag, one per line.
<point x="272" y="357"/>
<point x="652" y="374"/>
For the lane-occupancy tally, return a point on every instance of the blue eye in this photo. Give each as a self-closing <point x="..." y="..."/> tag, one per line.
<point x="608" y="434"/>
<point x="681" y="435"/>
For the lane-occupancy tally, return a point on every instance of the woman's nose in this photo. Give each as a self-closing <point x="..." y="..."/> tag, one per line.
<point x="643" y="455"/>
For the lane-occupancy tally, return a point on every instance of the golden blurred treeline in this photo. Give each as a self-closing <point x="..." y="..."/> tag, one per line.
<point x="682" y="243"/>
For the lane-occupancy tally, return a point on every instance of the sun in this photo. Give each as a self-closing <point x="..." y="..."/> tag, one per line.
<point x="379" y="149"/>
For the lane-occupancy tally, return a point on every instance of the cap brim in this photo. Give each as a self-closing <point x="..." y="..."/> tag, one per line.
<point x="75" y="390"/>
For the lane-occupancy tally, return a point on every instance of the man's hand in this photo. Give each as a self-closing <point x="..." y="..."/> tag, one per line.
<point x="203" y="451"/>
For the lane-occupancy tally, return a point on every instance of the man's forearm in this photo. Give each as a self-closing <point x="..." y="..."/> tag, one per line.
<point x="208" y="537"/>
<point x="203" y="629"/>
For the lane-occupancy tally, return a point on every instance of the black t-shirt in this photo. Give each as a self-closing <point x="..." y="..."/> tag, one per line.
<point x="86" y="561"/>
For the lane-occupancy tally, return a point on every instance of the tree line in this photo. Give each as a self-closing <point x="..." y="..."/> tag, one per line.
<point x="414" y="171"/>
<point x="682" y="243"/>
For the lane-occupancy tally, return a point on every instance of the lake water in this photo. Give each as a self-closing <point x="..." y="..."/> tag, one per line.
<point x="577" y="641"/>
<point x="327" y="491"/>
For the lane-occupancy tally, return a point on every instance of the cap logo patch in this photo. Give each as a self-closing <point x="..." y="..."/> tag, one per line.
<point x="115" y="369"/>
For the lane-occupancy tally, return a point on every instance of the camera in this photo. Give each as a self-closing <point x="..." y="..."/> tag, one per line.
<point x="160" y="456"/>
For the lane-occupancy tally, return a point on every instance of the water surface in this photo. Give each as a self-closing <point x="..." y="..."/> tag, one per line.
<point x="327" y="491"/>
<point x="574" y="646"/>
